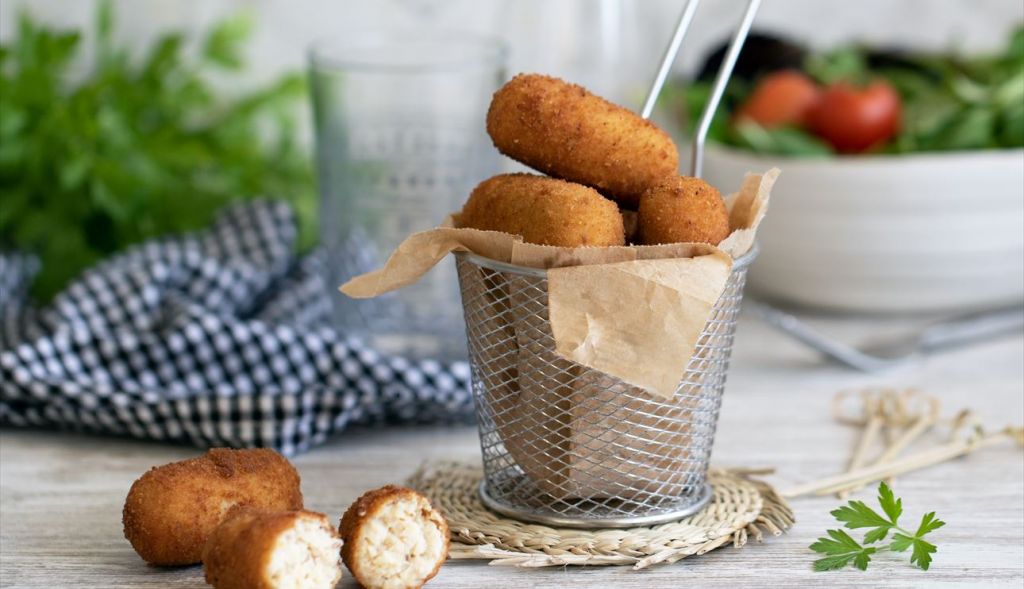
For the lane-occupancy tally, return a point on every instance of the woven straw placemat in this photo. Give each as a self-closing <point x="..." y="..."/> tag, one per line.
<point x="741" y="508"/>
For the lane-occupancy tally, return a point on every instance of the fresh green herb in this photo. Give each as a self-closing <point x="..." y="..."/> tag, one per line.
<point x="844" y="64"/>
<point x="841" y="549"/>
<point x="782" y="140"/>
<point x="134" y="148"/>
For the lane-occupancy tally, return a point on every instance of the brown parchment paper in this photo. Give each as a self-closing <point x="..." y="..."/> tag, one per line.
<point x="633" y="312"/>
<point x="747" y="209"/>
<point x="637" y="339"/>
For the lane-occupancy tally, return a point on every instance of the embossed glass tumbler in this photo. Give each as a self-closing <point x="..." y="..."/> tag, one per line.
<point x="401" y="142"/>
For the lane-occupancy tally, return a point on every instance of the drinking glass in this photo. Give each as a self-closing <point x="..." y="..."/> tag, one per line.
<point x="401" y="141"/>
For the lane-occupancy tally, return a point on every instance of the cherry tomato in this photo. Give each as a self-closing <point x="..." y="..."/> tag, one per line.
<point x="780" y="98"/>
<point x="856" y="119"/>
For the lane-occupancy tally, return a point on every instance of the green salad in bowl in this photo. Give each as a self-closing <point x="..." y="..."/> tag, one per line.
<point x="786" y="100"/>
<point x="902" y="186"/>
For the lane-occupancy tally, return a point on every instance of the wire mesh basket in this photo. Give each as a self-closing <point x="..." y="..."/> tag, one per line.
<point x="567" y="445"/>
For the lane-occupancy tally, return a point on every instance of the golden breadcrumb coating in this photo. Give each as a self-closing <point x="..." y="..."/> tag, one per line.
<point x="254" y="549"/>
<point x="542" y="210"/>
<point x="171" y="510"/>
<point x="393" y="539"/>
<point x="683" y="210"/>
<point x="563" y="130"/>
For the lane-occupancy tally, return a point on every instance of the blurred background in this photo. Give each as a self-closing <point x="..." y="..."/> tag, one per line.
<point x="609" y="46"/>
<point x="130" y="120"/>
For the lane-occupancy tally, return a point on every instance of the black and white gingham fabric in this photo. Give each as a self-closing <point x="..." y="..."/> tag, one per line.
<point x="215" y="339"/>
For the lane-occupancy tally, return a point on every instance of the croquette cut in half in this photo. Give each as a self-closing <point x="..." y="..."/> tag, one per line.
<point x="171" y="510"/>
<point x="393" y="539"/>
<point x="683" y="210"/>
<point x="255" y="549"/>
<point x="563" y="130"/>
<point x="544" y="211"/>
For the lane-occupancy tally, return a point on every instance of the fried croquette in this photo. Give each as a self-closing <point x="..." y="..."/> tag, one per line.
<point x="254" y="549"/>
<point x="563" y="130"/>
<point x="171" y="510"/>
<point x="393" y="539"/>
<point x="683" y="210"/>
<point x="545" y="211"/>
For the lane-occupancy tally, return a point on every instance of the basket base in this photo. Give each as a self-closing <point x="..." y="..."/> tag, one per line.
<point x="595" y="520"/>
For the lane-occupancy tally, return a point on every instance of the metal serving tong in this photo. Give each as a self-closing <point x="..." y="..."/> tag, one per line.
<point x="955" y="332"/>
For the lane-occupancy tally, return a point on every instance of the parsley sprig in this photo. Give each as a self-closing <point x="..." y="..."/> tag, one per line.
<point x="841" y="549"/>
<point x="99" y="154"/>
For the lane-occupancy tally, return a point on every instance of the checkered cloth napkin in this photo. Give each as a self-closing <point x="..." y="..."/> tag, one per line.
<point x="215" y="339"/>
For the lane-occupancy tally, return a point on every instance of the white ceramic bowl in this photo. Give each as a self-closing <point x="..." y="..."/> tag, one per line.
<point x="912" y="233"/>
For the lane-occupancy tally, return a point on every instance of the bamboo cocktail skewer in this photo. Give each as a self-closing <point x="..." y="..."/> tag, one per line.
<point x="895" y="412"/>
<point x="882" y="411"/>
<point x="917" y="461"/>
<point x="873" y="409"/>
<point x="921" y="425"/>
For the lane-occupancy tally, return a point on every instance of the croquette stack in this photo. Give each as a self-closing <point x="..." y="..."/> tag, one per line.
<point x="598" y="155"/>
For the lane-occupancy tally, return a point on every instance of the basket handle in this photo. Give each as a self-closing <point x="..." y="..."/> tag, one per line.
<point x="721" y="80"/>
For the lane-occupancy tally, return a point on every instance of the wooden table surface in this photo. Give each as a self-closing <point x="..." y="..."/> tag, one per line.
<point x="61" y="494"/>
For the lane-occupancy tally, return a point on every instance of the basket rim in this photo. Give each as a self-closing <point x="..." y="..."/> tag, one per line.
<point x="739" y="263"/>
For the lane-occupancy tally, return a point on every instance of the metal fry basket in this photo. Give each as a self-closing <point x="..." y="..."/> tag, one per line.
<point x="568" y="445"/>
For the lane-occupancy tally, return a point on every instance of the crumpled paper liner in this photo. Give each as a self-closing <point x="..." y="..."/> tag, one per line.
<point x="632" y="312"/>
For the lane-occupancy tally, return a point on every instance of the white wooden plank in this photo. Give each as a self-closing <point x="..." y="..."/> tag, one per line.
<point x="61" y="494"/>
